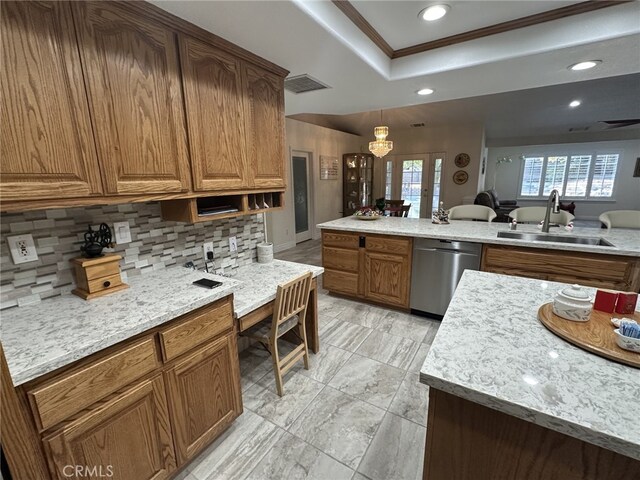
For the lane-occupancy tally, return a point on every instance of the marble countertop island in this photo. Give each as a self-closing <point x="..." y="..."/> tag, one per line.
<point x="491" y="349"/>
<point x="42" y="337"/>
<point x="626" y="241"/>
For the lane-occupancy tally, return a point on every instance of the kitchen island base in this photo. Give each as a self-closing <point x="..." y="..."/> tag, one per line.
<point x="466" y="440"/>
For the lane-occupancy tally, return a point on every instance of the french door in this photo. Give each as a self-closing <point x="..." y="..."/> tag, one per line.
<point x="416" y="179"/>
<point x="301" y="195"/>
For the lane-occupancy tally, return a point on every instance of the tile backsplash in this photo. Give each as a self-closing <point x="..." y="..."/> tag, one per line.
<point x="155" y="243"/>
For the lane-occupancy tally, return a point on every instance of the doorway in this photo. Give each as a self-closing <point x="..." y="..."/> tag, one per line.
<point x="301" y="174"/>
<point x="417" y="179"/>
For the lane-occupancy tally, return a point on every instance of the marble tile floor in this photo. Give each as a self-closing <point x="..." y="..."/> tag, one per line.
<point x="358" y="413"/>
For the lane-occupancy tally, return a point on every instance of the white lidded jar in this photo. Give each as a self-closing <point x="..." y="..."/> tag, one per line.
<point x="573" y="303"/>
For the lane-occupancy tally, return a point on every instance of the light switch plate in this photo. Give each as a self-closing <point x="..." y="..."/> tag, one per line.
<point x="23" y="250"/>
<point x="122" y="232"/>
<point x="233" y="244"/>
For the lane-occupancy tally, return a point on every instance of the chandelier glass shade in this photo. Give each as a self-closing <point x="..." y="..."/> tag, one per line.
<point x="380" y="146"/>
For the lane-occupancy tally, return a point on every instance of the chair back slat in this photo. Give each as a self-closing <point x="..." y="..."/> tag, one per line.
<point x="291" y="298"/>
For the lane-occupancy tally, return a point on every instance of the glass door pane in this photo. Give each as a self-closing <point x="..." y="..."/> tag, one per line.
<point x="437" y="179"/>
<point x="300" y="195"/>
<point x="412" y="185"/>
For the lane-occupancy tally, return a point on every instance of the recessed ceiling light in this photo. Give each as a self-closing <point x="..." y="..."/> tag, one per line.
<point x="434" y="12"/>
<point x="585" y="65"/>
<point x="575" y="103"/>
<point x="425" y="91"/>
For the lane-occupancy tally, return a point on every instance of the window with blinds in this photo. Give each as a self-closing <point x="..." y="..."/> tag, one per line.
<point x="574" y="176"/>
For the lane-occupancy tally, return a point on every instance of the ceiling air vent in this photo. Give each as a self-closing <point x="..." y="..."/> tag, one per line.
<point x="416" y="125"/>
<point x="303" y="83"/>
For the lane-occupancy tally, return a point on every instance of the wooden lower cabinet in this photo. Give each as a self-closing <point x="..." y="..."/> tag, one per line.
<point x="137" y="410"/>
<point x="204" y="392"/>
<point x="371" y="267"/>
<point x="466" y="440"/>
<point x="386" y="278"/>
<point x="126" y="437"/>
<point x="591" y="269"/>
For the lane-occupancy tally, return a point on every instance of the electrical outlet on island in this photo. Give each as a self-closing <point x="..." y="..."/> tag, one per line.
<point x="233" y="244"/>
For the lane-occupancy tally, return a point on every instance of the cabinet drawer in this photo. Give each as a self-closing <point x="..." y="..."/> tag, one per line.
<point x="72" y="391"/>
<point x="103" y="283"/>
<point x="344" y="240"/>
<point x="340" y="259"/>
<point x="398" y="246"/>
<point x="196" y="328"/>
<point x="340" y="282"/>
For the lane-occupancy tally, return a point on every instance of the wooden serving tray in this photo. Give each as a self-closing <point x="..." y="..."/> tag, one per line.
<point x="595" y="336"/>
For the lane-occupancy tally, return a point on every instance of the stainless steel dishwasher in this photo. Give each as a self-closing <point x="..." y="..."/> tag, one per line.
<point x="436" y="271"/>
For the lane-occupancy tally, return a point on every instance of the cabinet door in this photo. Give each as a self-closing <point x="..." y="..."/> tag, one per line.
<point x="205" y="396"/>
<point x="215" y="116"/>
<point x="387" y="278"/>
<point x="47" y="146"/>
<point x="265" y="127"/>
<point x="133" y="82"/>
<point x="126" y="437"/>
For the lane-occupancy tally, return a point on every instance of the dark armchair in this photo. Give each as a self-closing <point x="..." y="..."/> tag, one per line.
<point x="502" y="208"/>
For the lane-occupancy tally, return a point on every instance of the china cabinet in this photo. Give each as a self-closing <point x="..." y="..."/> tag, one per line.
<point x="357" y="180"/>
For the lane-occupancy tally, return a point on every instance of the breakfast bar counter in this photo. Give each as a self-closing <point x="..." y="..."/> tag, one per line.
<point x="491" y="354"/>
<point x="626" y="242"/>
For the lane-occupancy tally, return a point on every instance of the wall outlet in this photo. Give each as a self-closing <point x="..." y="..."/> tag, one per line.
<point x="206" y="247"/>
<point x="122" y="232"/>
<point x="23" y="250"/>
<point x="233" y="244"/>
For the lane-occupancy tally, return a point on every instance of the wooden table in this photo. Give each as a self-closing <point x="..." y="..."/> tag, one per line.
<point x="311" y="321"/>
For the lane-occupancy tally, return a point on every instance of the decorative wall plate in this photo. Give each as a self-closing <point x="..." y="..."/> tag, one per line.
<point x="462" y="160"/>
<point x="460" y="177"/>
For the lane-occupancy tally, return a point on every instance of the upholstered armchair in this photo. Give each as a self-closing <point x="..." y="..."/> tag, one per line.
<point x="502" y="208"/>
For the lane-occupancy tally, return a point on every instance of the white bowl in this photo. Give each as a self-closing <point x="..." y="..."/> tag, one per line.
<point x="573" y="303"/>
<point x="628" y="343"/>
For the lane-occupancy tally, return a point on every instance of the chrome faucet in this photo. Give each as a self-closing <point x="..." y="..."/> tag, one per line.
<point x="555" y="198"/>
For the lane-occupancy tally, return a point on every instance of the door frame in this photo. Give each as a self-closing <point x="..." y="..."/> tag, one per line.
<point x="293" y="152"/>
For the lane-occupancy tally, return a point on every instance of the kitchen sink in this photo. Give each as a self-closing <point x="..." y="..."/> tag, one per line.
<point x="543" y="237"/>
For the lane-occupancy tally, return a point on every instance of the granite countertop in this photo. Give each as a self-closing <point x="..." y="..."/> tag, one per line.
<point x="40" y="338"/>
<point x="259" y="282"/>
<point x="491" y="349"/>
<point x="625" y="241"/>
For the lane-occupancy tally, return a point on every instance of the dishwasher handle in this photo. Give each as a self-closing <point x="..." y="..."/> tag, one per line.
<point x="446" y="250"/>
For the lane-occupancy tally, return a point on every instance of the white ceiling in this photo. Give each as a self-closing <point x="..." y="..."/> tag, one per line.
<point x="398" y="22"/>
<point x="315" y="37"/>
<point x="534" y="112"/>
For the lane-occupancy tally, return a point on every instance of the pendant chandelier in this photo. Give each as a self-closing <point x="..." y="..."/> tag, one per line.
<point x="380" y="146"/>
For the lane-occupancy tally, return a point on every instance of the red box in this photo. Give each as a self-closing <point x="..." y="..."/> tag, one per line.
<point x="626" y="303"/>
<point x="605" y="301"/>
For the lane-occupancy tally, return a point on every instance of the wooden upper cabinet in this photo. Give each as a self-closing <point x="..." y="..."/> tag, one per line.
<point x="133" y="82"/>
<point x="265" y="127"/>
<point x="212" y="82"/>
<point x="47" y="146"/>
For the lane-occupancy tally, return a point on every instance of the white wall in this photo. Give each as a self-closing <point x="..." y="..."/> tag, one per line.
<point x="326" y="194"/>
<point x="627" y="188"/>
<point x="451" y="139"/>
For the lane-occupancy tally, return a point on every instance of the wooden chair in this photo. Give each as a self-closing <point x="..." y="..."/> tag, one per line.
<point x="289" y="313"/>
<point x="401" y="211"/>
<point x="472" y="212"/>
<point x="393" y="203"/>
